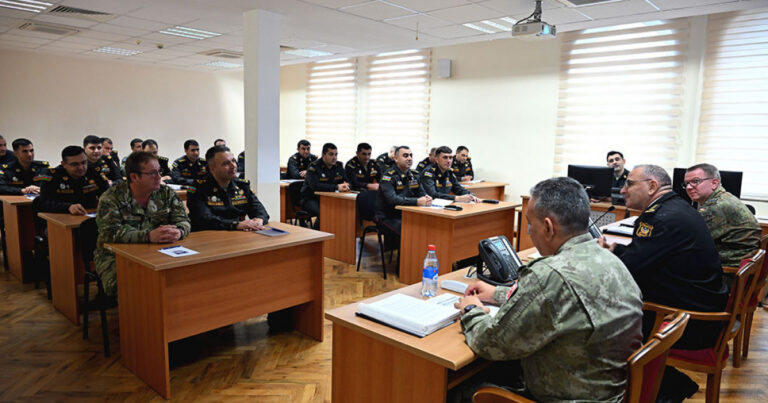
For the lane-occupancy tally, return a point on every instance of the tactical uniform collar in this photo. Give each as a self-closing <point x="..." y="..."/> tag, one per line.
<point x="715" y="194"/>
<point x="573" y="241"/>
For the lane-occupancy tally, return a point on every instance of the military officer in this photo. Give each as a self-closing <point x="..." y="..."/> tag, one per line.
<point x="135" y="146"/>
<point x="220" y="142"/>
<point x="105" y="165"/>
<point x="71" y="187"/>
<point x="361" y="171"/>
<point x="733" y="227"/>
<point x="299" y="162"/>
<point x="23" y="175"/>
<point x="438" y="180"/>
<point x="241" y="165"/>
<point x="323" y="175"/>
<point x="616" y="161"/>
<point x="220" y="201"/>
<point x="188" y="168"/>
<point x="573" y="316"/>
<point x="138" y="210"/>
<point x="430" y="160"/>
<point x="462" y="165"/>
<point x="108" y="149"/>
<point x="151" y="147"/>
<point x="399" y="187"/>
<point x="5" y="156"/>
<point x="386" y="160"/>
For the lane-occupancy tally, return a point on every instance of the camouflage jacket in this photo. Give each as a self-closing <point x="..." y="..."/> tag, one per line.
<point x="573" y="321"/>
<point x="733" y="227"/>
<point x="122" y="220"/>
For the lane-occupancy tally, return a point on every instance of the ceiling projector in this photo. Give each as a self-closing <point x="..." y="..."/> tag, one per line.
<point x="534" y="30"/>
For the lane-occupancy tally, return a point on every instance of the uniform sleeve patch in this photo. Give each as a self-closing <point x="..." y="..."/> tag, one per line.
<point x="386" y="178"/>
<point x="191" y="189"/>
<point x="644" y="230"/>
<point x="428" y="174"/>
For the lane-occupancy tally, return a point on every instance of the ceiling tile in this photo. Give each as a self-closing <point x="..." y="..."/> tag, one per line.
<point x="148" y="57"/>
<point x="170" y="14"/>
<point x="11" y="13"/>
<point x="34" y="34"/>
<point x="429" y="5"/>
<point x="165" y="38"/>
<point x="467" y="13"/>
<point x="120" y="30"/>
<point x="335" y="3"/>
<point x="678" y="4"/>
<point x="300" y="43"/>
<point x="139" y="23"/>
<point x="17" y="45"/>
<point x="84" y="41"/>
<point x="10" y="22"/>
<point x="452" y="31"/>
<point x="73" y="22"/>
<point x="335" y="49"/>
<point x="564" y="15"/>
<point x="618" y="9"/>
<point x="71" y="45"/>
<point x="519" y="6"/>
<point x="425" y="21"/>
<point x="26" y="39"/>
<point x="376" y="11"/>
<point x="105" y="6"/>
<point x="104" y="36"/>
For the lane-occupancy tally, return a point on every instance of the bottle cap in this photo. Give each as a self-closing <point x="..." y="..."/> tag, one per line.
<point x="430" y="247"/>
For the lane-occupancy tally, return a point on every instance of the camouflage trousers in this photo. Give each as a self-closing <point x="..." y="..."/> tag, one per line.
<point x="107" y="270"/>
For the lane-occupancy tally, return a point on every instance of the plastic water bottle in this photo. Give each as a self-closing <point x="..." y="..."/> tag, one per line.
<point x="429" y="273"/>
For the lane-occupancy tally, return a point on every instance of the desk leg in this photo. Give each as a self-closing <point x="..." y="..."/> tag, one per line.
<point x="337" y="220"/>
<point x="143" y="335"/>
<point x="367" y="370"/>
<point x="308" y="317"/>
<point x="66" y="270"/>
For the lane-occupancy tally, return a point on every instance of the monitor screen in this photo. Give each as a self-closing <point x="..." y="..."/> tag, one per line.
<point x="597" y="180"/>
<point x="730" y="180"/>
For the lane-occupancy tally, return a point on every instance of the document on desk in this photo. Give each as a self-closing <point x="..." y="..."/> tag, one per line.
<point x="440" y="203"/>
<point x="177" y="251"/>
<point x="31" y="196"/>
<point x="475" y="181"/>
<point x="409" y="314"/>
<point x="448" y="299"/>
<point x="173" y="186"/>
<point x="271" y="231"/>
<point x="619" y="230"/>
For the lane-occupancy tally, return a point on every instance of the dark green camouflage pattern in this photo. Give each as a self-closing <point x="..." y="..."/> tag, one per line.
<point x="733" y="227"/>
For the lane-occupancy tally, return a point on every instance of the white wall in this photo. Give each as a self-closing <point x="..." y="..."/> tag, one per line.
<point x="55" y="101"/>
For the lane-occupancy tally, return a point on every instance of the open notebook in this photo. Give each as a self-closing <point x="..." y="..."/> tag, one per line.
<point x="409" y="314"/>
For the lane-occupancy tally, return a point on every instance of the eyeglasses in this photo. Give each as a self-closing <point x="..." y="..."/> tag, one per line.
<point x="695" y="182"/>
<point x="630" y="182"/>
<point x="153" y="174"/>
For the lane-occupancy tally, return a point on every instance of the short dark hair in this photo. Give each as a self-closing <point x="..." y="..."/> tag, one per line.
<point x="134" y="141"/>
<point x="303" y="142"/>
<point x="614" y="152"/>
<point x="398" y="148"/>
<point x="18" y="143"/>
<point x="217" y="140"/>
<point x="364" y="146"/>
<point x="213" y="151"/>
<point x="565" y="200"/>
<point x="432" y="151"/>
<point x="148" y="142"/>
<point x="328" y="146"/>
<point x="71" y="151"/>
<point x="189" y="143"/>
<point x="461" y="148"/>
<point x="91" y="140"/>
<point x="443" y="150"/>
<point x="708" y="169"/>
<point x="106" y="140"/>
<point x="134" y="162"/>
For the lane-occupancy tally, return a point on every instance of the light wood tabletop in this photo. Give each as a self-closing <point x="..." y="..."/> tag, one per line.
<point x="469" y="209"/>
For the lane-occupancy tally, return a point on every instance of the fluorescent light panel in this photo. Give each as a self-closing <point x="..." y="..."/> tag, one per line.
<point x="307" y="52"/>
<point x="509" y="20"/>
<point x="479" y="28"/>
<point x="191" y="33"/>
<point x="117" y="51"/>
<point x="225" y="65"/>
<point x="25" y="5"/>
<point x="497" y="25"/>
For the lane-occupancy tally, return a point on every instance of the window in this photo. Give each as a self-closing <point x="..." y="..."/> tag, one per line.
<point x="733" y="123"/>
<point x="621" y="88"/>
<point x="331" y="115"/>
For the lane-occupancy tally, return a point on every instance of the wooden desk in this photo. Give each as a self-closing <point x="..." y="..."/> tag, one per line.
<point x="236" y="276"/>
<point x="338" y="216"/>
<point x="19" y="234"/>
<point x="486" y="190"/>
<point x="455" y="234"/>
<point x="763" y="225"/>
<point x="286" y="209"/>
<point x="67" y="269"/>
<point x="182" y="193"/>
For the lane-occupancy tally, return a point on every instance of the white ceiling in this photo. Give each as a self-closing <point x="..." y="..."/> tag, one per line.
<point x="341" y="27"/>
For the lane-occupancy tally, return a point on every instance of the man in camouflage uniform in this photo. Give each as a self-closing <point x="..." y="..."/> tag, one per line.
<point x="361" y="170"/>
<point x="23" y="175"/>
<point x="733" y="227"/>
<point x="299" y="163"/>
<point x="430" y="160"/>
<point x="462" y="165"/>
<point x="439" y="181"/>
<point x="190" y="166"/>
<point x="572" y="318"/>
<point x="139" y="210"/>
<point x="105" y="165"/>
<point x="399" y="187"/>
<point x="151" y="147"/>
<point x="71" y="187"/>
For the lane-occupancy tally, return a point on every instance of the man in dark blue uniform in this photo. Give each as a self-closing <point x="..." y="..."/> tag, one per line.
<point x="361" y="170"/>
<point x="386" y="160"/>
<point x="616" y="160"/>
<point x="190" y="166"/>
<point x="72" y="187"/>
<point x="430" y="160"/>
<point x="299" y="162"/>
<point x="399" y="187"/>
<point x="462" y="165"/>
<point x="150" y="146"/>
<point x="6" y="157"/>
<point x="323" y="175"/>
<point x="439" y="181"/>
<point x="22" y="176"/>
<point x="221" y="201"/>
<point x="103" y="164"/>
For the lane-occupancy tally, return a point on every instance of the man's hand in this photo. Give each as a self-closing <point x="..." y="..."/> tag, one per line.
<point x="466" y="198"/>
<point x="481" y="290"/>
<point x="303" y="173"/>
<point x="77" y="209"/>
<point x="165" y="178"/>
<point x="466" y="178"/>
<point x="343" y="187"/>
<point x="256" y="224"/>
<point x="471" y="300"/>
<point x="604" y="243"/>
<point x="424" y="201"/>
<point x="32" y="189"/>
<point x="164" y="234"/>
<point x="372" y="186"/>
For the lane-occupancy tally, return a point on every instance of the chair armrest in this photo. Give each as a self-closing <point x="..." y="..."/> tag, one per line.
<point x="695" y="315"/>
<point x="489" y="394"/>
<point x="730" y="269"/>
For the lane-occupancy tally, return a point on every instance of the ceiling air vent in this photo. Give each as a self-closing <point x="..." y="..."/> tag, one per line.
<point x="48" y="28"/>
<point x="582" y="3"/>
<point x="80" y="13"/>
<point x="223" y="53"/>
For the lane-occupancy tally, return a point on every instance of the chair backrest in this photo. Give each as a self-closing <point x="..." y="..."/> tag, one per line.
<point x="294" y="192"/>
<point x="645" y="366"/>
<point x="89" y="233"/>
<point x="743" y="286"/>
<point x="366" y="205"/>
<point x="762" y="276"/>
<point x="764" y="242"/>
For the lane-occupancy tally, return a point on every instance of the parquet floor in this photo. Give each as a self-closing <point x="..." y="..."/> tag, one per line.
<point x="44" y="358"/>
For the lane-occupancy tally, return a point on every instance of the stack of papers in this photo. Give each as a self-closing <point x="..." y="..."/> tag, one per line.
<point x="409" y="314"/>
<point x="440" y="203"/>
<point x="619" y="230"/>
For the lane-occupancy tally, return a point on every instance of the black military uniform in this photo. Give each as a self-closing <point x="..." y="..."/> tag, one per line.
<point x="359" y="175"/>
<point x="164" y="170"/>
<point x="13" y="178"/>
<point x="241" y="165"/>
<point x="185" y="172"/>
<point x="320" y="178"/>
<point x="462" y="169"/>
<point x="674" y="261"/>
<point x="438" y="184"/>
<point x="58" y="190"/>
<point x="212" y="207"/>
<point x="116" y="157"/>
<point x="297" y="163"/>
<point x="397" y="188"/>
<point x="7" y="158"/>
<point x="618" y="183"/>
<point x="108" y="168"/>
<point x="384" y="162"/>
<point x="422" y="165"/>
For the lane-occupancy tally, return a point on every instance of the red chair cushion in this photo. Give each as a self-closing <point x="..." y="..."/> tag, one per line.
<point x="701" y="357"/>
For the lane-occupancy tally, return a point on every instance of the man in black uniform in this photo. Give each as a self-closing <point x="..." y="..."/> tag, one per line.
<point x="361" y="170"/>
<point x="108" y="149"/>
<point x="220" y="201"/>
<point x="430" y="160"/>
<point x="323" y="175"/>
<point x="23" y="175"/>
<point x="399" y="187"/>
<point x="615" y="160"/>
<point x="219" y="142"/>
<point x="135" y="146"/>
<point x="386" y="160"/>
<point x="151" y="147"/>
<point x="188" y="168"/>
<point x="674" y="260"/>
<point x="438" y="180"/>
<point x="462" y="164"/>
<point x="241" y="165"/>
<point x="103" y="164"/>
<point x="71" y="187"/>
<point x="299" y="163"/>
<point x="5" y="156"/>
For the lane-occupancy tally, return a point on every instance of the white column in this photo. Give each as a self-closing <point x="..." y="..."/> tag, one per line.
<point x="261" y="45"/>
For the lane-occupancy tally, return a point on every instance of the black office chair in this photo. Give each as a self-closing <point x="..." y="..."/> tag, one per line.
<point x="89" y="233"/>
<point x="303" y="218"/>
<point x="366" y="209"/>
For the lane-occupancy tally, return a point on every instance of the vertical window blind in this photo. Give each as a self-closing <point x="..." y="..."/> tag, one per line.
<point x="733" y="123"/>
<point x="621" y="88"/>
<point x="331" y="105"/>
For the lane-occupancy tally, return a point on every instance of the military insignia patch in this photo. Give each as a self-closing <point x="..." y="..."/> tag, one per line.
<point x="386" y="177"/>
<point x="644" y="230"/>
<point x="652" y="209"/>
<point x="428" y="174"/>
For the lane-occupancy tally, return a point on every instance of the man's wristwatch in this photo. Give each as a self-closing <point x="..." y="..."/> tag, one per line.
<point x="469" y="308"/>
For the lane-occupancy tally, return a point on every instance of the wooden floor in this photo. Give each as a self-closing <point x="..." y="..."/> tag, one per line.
<point x="44" y="358"/>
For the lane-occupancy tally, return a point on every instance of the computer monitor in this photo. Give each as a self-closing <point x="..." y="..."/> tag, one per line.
<point x="730" y="180"/>
<point x="597" y="180"/>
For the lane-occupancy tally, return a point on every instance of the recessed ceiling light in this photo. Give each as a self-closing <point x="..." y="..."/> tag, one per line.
<point x="479" y="28"/>
<point x="224" y="65"/>
<point x="189" y="32"/>
<point x="25" y="5"/>
<point x="117" y="51"/>
<point x="307" y="52"/>
<point x="497" y="25"/>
